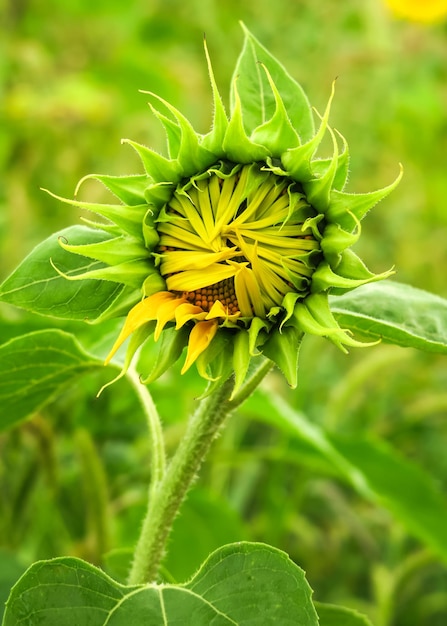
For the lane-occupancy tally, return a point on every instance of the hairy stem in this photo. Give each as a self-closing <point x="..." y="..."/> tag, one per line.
<point x="170" y="492"/>
<point x="158" y="455"/>
<point x="167" y="494"/>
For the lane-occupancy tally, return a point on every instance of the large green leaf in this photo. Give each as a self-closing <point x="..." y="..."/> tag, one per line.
<point x="36" y="286"/>
<point x="239" y="584"/>
<point x="396" y="313"/>
<point x="376" y="470"/>
<point x="34" y="368"/>
<point x="257" y="99"/>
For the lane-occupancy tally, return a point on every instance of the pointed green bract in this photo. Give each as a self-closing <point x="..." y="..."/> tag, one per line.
<point x="158" y="167"/>
<point x="236" y="143"/>
<point x="324" y="278"/>
<point x="278" y="133"/>
<point x="172" y="130"/>
<point x="129" y="189"/>
<point x="318" y="190"/>
<point x="112" y="251"/>
<point x="137" y="339"/>
<point x="336" y="240"/>
<point x="129" y="220"/>
<point x="183" y="141"/>
<point x="214" y="140"/>
<point x="215" y="364"/>
<point x="132" y="273"/>
<point x="319" y="166"/>
<point x="283" y="349"/>
<point x="258" y="101"/>
<point x="172" y="343"/>
<point x="346" y="208"/>
<point x="241" y="358"/>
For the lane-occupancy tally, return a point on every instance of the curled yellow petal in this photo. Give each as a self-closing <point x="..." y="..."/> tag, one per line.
<point x="199" y="339"/>
<point x="143" y="312"/>
<point x="218" y="310"/>
<point x="166" y="313"/>
<point x="186" y="312"/>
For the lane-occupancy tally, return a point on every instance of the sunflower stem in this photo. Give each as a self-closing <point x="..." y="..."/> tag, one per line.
<point x="158" y="455"/>
<point x="167" y="495"/>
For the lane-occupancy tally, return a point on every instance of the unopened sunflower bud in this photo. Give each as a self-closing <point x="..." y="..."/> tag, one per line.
<point x="236" y="238"/>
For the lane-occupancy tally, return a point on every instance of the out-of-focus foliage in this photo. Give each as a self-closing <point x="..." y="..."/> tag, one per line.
<point x="73" y="479"/>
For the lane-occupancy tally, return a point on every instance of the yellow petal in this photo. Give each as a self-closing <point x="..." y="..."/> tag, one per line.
<point x="229" y="201"/>
<point x="166" y="313"/>
<point x="143" y="312"/>
<point x="196" y="279"/>
<point x="175" y="236"/>
<point x="186" y="312"/>
<point x="193" y="216"/>
<point x="219" y="310"/>
<point x="253" y="204"/>
<point x="185" y="260"/>
<point x="199" y="340"/>
<point x="201" y="199"/>
<point x="272" y="285"/>
<point x="248" y="294"/>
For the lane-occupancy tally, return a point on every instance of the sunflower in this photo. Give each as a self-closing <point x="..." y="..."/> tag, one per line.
<point x="231" y="243"/>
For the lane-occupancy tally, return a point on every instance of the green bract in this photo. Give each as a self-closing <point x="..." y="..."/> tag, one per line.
<point x="231" y="243"/>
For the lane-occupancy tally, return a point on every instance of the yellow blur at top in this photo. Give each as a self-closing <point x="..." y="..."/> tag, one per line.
<point x="425" y="11"/>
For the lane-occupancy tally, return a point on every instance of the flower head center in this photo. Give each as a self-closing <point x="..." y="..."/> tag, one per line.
<point x="223" y="291"/>
<point x="241" y="235"/>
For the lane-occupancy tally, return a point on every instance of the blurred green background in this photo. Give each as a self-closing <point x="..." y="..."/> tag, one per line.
<point x="70" y="78"/>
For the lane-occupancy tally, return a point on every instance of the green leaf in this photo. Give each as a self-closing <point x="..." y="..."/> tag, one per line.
<point x="34" y="368"/>
<point x="10" y="570"/>
<point x="332" y="615"/>
<point x="257" y="98"/>
<point x="255" y="583"/>
<point x="37" y="287"/>
<point x="396" y="313"/>
<point x="240" y="584"/>
<point x="375" y="470"/>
